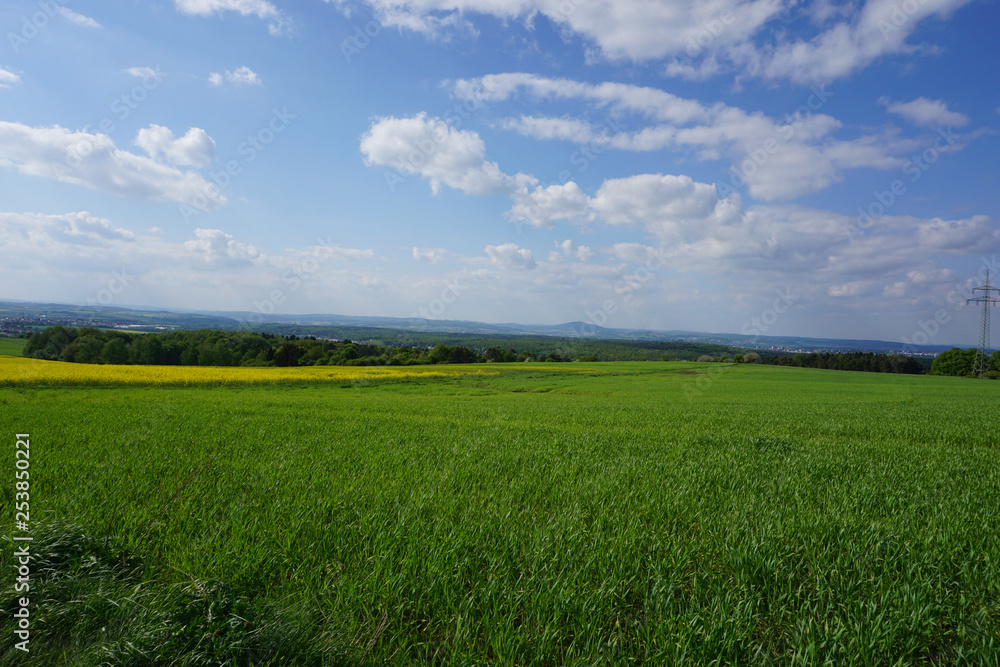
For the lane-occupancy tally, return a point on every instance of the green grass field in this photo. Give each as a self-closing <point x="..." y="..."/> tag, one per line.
<point x="12" y="346"/>
<point x="653" y="513"/>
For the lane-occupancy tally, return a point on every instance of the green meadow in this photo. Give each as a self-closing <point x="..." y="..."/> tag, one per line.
<point x="12" y="346"/>
<point x="552" y="514"/>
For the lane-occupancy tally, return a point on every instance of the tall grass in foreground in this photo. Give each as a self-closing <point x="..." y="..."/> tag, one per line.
<point x="773" y="516"/>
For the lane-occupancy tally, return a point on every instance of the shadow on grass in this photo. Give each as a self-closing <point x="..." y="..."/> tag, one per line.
<point x="94" y="601"/>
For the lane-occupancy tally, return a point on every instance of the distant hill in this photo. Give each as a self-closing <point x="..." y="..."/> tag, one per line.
<point x="18" y="316"/>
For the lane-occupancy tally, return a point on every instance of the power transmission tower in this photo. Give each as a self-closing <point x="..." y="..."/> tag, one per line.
<point x="987" y="300"/>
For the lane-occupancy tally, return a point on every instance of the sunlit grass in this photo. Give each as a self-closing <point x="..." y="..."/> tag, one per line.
<point x="662" y="513"/>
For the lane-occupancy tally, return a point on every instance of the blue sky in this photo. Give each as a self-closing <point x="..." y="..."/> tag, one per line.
<point x="765" y="167"/>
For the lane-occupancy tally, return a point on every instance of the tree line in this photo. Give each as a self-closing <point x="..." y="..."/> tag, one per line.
<point x="870" y="362"/>
<point x="206" y="347"/>
<point x="957" y="361"/>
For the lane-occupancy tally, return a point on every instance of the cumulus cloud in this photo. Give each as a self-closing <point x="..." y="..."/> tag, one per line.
<point x="975" y="234"/>
<point x="930" y="275"/>
<point x="241" y="76"/>
<point x="195" y="148"/>
<point x="78" y="19"/>
<point x="880" y="28"/>
<point x="773" y="158"/>
<point x="543" y="206"/>
<point x="75" y="254"/>
<point x="510" y="256"/>
<point x="627" y="29"/>
<point x="701" y="38"/>
<point x="430" y="255"/>
<point x="214" y="245"/>
<point x="694" y="227"/>
<point x="93" y="160"/>
<point x="7" y="79"/>
<point x="663" y="202"/>
<point x="853" y="289"/>
<point x="571" y="250"/>
<point x="337" y="253"/>
<point x="277" y="23"/>
<point x="433" y="149"/>
<point x="145" y="73"/>
<point x="78" y="229"/>
<point x="925" y="112"/>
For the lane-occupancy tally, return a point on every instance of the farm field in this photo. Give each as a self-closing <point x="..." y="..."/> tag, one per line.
<point x="11" y="346"/>
<point x="511" y="514"/>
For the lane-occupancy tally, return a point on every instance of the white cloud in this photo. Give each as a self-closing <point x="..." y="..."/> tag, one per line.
<point x="853" y="289"/>
<point x="579" y="252"/>
<point x="93" y="160"/>
<point x="896" y="290"/>
<point x="431" y="148"/>
<point x="79" y="229"/>
<point x="925" y="112"/>
<point x="702" y="37"/>
<point x="618" y="97"/>
<point x="78" y="19"/>
<point x="890" y="270"/>
<point x="340" y="254"/>
<point x="694" y="228"/>
<point x="567" y="129"/>
<point x="880" y="28"/>
<point x="772" y="158"/>
<point x="277" y="22"/>
<point x="543" y="206"/>
<point x="509" y="255"/>
<point x="930" y="275"/>
<point x="195" y="149"/>
<point x="216" y="246"/>
<point x="238" y="77"/>
<point x="7" y="79"/>
<point x="145" y="72"/>
<point x="633" y="29"/>
<point x="975" y="234"/>
<point x="430" y="255"/>
<point x="665" y="203"/>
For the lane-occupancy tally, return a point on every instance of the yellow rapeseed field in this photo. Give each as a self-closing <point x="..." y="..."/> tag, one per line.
<point x="20" y="371"/>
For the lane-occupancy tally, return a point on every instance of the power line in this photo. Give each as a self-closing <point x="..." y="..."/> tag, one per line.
<point x="987" y="300"/>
